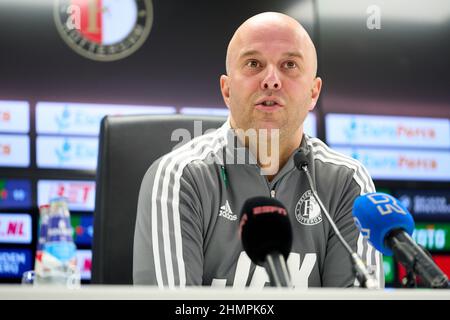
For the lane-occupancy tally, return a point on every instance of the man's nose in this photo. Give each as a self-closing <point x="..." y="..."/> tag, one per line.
<point x="271" y="80"/>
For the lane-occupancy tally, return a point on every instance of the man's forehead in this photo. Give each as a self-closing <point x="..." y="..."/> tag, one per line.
<point x="267" y="31"/>
<point x="248" y="52"/>
<point x="258" y="36"/>
<point x="263" y="32"/>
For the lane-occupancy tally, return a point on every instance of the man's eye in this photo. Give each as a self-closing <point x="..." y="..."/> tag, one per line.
<point x="290" y="65"/>
<point x="253" y="64"/>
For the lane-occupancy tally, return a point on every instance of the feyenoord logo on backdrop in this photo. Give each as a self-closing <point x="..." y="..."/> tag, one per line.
<point x="104" y="30"/>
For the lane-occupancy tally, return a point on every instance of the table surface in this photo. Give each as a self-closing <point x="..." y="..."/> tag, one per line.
<point x="125" y="292"/>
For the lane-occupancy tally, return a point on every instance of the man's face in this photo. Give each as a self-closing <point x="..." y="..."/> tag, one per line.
<point x="271" y="79"/>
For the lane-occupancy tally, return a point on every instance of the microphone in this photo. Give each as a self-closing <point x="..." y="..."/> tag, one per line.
<point x="267" y="237"/>
<point x="365" y="278"/>
<point x="388" y="226"/>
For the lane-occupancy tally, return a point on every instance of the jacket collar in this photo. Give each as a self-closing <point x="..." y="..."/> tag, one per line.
<point x="237" y="153"/>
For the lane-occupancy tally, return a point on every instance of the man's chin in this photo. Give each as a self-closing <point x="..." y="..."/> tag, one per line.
<point x="268" y="126"/>
<point x="262" y="126"/>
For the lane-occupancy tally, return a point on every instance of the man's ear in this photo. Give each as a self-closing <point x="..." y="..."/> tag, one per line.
<point x="225" y="89"/>
<point x="315" y="92"/>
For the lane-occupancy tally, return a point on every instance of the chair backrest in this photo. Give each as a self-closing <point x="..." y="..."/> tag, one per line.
<point x="128" y="146"/>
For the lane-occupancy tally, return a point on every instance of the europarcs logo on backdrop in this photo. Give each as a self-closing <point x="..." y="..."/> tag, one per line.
<point x="69" y="119"/>
<point x="104" y="30"/>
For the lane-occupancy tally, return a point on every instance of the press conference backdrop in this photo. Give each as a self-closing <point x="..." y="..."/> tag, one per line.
<point x="385" y="102"/>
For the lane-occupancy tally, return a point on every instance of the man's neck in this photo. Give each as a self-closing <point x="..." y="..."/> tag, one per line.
<point x="286" y="149"/>
<point x="273" y="153"/>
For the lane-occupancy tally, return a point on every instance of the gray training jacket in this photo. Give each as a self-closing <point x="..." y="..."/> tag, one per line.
<point x="187" y="227"/>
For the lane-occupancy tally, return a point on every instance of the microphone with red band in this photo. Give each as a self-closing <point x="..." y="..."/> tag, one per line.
<point x="267" y="237"/>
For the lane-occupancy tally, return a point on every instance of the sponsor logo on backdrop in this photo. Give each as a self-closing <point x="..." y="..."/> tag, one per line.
<point x="84" y="118"/>
<point x="346" y="129"/>
<point x="83" y="230"/>
<point x="14" y="150"/>
<point x="80" y="195"/>
<point x="5" y="149"/>
<point x="15" y="228"/>
<point x="15" y="194"/>
<point x="402" y="164"/>
<point x="14" y="262"/>
<point x="5" y="116"/>
<point x="62" y="120"/>
<point x="357" y="129"/>
<point x="426" y="203"/>
<point x="67" y="152"/>
<point x="104" y="30"/>
<point x="432" y="236"/>
<point x="14" y="116"/>
<point x="388" y="266"/>
<point x="84" y="262"/>
<point x="399" y="161"/>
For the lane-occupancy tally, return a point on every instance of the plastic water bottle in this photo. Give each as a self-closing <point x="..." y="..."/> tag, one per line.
<point x="28" y="277"/>
<point x="57" y="262"/>
<point x="44" y="215"/>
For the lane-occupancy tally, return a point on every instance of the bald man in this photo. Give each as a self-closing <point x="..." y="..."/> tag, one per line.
<point x="187" y="228"/>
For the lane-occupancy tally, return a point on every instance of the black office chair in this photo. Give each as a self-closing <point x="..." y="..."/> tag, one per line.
<point x="128" y="146"/>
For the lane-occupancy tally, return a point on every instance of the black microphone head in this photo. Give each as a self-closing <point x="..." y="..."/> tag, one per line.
<point x="300" y="159"/>
<point x="265" y="228"/>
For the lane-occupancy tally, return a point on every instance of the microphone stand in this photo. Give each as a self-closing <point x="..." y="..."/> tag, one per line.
<point x="277" y="270"/>
<point x="362" y="274"/>
<point x="409" y="281"/>
<point x="414" y="262"/>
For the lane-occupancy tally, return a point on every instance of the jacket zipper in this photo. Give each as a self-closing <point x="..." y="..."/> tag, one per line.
<point x="272" y="191"/>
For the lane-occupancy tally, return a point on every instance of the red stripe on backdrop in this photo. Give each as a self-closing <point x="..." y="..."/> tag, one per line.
<point x="91" y="19"/>
<point x="443" y="262"/>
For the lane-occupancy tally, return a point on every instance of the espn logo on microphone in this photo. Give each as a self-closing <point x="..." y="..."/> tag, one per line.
<point x="271" y="209"/>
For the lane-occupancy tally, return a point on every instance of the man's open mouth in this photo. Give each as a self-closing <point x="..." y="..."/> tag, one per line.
<point x="269" y="103"/>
